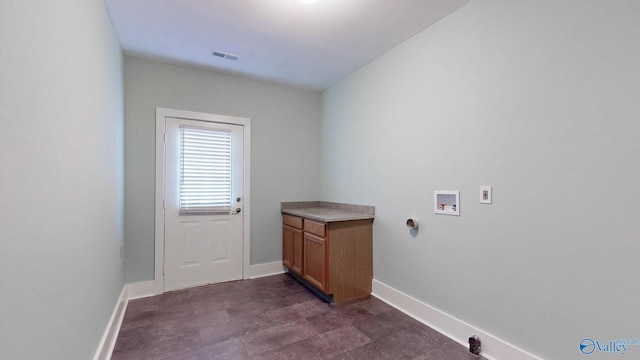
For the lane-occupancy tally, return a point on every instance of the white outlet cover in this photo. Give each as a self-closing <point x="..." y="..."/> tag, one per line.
<point x="485" y="194"/>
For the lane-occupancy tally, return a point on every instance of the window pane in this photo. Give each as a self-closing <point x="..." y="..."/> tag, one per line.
<point x="205" y="170"/>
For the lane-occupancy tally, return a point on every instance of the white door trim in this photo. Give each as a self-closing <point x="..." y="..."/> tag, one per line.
<point x="161" y="114"/>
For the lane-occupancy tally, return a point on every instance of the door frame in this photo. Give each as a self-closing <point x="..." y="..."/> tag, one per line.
<point x="161" y="114"/>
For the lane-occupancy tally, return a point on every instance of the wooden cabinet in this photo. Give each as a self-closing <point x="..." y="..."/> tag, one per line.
<point x="334" y="257"/>
<point x="315" y="261"/>
<point x="292" y="243"/>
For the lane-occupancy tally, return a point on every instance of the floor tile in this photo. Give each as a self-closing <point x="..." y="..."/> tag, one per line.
<point x="273" y="318"/>
<point x="367" y="352"/>
<point x="232" y="328"/>
<point x="449" y="350"/>
<point x="226" y="350"/>
<point x="407" y="343"/>
<point x="295" y="351"/>
<point x="384" y="323"/>
<point x="155" y="315"/>
<point x="193" y="322"/>
<point x="160" y="349"/>
<point x="339" y="341"/>
<point x="277" y="336"/>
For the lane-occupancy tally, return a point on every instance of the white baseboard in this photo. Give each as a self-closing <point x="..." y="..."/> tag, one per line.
<point x="108" y="342"/>
<point x="140" y="290"/>
<point x="266" y="269"/>
<point x="148" y="288"/>
<point x="493" y="348"/>
<point x="129" y="292"/>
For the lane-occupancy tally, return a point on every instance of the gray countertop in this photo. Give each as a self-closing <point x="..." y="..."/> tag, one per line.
<point x="327" y="211"/>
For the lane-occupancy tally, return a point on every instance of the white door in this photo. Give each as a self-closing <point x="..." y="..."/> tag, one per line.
<point x="203" y="218"/>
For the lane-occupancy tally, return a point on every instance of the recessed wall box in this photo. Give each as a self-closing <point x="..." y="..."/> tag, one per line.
<point x="446" y="202"/>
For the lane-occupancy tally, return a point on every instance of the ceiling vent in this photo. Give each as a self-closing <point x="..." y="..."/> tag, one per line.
<point x="223" y="55"/>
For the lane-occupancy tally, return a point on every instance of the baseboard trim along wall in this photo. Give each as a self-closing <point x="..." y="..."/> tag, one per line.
<point x="108" y="342"/>
<point x="141" y="289"/>
<point x="146" y="288"/>
<point x="266" y="269"/>
<point x="493" y="348"/>
<point x="129" y="292"/>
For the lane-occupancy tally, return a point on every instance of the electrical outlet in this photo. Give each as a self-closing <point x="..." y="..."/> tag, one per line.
<point x="485" y="194"/>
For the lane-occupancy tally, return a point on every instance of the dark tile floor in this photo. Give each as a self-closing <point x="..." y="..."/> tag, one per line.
<point x="273" y="318"/>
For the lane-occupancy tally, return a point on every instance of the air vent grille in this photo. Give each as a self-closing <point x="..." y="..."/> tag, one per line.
<point x="224" y="55"/>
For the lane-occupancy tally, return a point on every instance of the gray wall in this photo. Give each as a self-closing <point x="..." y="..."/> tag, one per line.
<point x="62" y="181"/>
<point x="285" y="149"/>
<point x="538" y="99"/>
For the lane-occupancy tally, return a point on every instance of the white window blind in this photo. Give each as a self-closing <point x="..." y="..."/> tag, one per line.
<point x="205" y="170"/>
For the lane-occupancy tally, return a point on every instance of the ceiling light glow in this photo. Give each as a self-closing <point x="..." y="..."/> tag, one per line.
<point x="307" y="1"/>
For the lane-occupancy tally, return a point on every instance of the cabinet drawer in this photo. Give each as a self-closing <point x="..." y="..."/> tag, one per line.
<point x="292" y="221"/>
<point x="313" y="227"/>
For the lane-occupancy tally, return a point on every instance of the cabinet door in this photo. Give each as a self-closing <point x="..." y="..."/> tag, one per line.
<point x="315" y="264"/>
<point x="287" y="246"/>
<point x="292" y="246"/>
<point x="298" y="249"/>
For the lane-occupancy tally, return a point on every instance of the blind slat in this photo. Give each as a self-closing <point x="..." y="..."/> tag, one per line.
<point x="205" y="170"/>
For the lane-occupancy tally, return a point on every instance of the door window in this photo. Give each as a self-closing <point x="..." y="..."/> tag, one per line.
<point x="205" y="170"/>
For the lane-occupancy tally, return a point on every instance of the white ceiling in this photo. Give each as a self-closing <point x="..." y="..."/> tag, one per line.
<point x="283" y="41"/>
